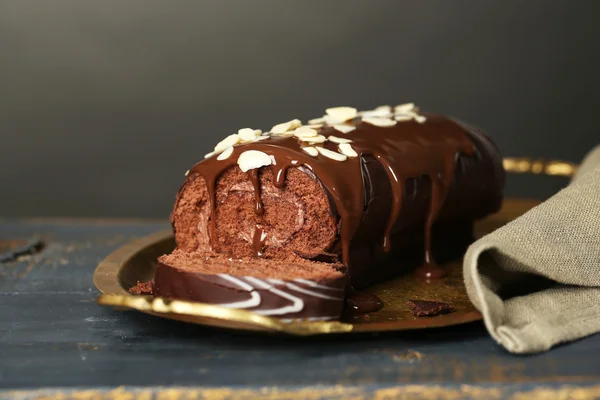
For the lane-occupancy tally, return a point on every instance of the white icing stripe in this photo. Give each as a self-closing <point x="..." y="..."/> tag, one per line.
<point x="316" y="285"/>
<point x="276" y="281"/>
<point x="253" y="301"/>
<point x="255" y="298"/>
<point x="311" y="293"/>
<point x="257" y="282"/>
<point x="297" y="304"/>
<point x="236" y="281"/>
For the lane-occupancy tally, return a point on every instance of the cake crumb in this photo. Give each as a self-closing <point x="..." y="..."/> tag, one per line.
<point x="142" y="288"/>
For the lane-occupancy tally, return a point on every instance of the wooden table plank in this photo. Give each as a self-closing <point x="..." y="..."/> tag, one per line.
<point x="53" y="335"/>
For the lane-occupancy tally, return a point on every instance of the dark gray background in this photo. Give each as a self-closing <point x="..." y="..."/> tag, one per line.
<point x="105" y="104"/>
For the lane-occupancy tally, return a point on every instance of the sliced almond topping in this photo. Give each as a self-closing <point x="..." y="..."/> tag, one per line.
<point x="344" y="128"/>
<point x="225" y="154"/>
<point x="420" y="119"/>
<point x="286" y="126"/>
<point x="252" y="159"/>
<point x="311" y="150"/>
<point x="329" y="120"/>
<point x="313" y="126"/>
<point x="247" y="134"/>
<point x="228" y="141"/>
<point x="381" y="112"/>
<point x="260" y="138"/>
<point x="403" y="117"/>
<point x="381" y="122"/>
<point x="347" y="150"/>
<point x="212" y="153"/>
<point x="336" y="139"/>
<point x="284" y="134"/>
<point x="331" y="154"/>
<point x="305" y="132"/>
<point x="314" y="139"/>
<point x="187" y="172"/>
<point x="316" y="121"/>
<point x="341" y="114"/>
<point x="403" y="108"/>
<point x="384" y="108"/>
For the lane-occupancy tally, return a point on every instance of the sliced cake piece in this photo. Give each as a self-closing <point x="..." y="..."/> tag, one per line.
<point x="294" y="289"/>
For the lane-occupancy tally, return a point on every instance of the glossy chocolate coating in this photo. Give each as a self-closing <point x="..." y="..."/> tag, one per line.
<point x="407" y="179"/>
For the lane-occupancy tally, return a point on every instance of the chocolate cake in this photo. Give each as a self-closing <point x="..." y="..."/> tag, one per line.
<point x="267" y="287"/>
<point x="286" y="222"/>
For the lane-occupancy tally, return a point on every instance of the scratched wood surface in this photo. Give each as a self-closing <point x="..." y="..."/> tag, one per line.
<point x="55" y="342"/>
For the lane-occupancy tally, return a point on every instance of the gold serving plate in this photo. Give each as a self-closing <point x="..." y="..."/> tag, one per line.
<point x="136" y="261"/>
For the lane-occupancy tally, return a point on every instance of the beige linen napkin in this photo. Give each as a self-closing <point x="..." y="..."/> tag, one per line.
<point x="537" y="279"/>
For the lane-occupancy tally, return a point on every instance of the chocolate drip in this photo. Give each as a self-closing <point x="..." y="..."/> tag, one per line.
<point x="259" y="209"/>
<point x="211" y="183"/>
<point x="397" y="197"/>
<point x="258" y="241"/>
<point x="407" y="151"/>
<point x="279" y="175"/>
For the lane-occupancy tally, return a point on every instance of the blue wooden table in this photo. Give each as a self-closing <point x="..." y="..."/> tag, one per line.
<point x="57" y="343"/>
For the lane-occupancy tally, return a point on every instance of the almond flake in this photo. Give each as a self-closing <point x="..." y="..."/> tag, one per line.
<point x="260" y="138"/>
<point x="317" y="121"/>
<point x="286" y="126"/>
<point x="284" y="134"/>
<point x="381" y="122"/>
<point x="329" y="120"/>
<point x="247" y="134"/>
<point x="314" y="126"/>
<point x="305" y="132"/>
<point x="313" y="139"/>
<point x="347" y="150"/>
<point x="225" y="143"/>
<point x="403" y="117"/>
<point x="338" y="140"/>
<point x="225" y="154"/>
<point x="420" y="119"/>
<point x="187" y="172"/>
<point x="311" y="151"/>
<point x="331" y="154"/>
<point x="344" y="128"/>
<point x="252" y="159"/>
<point x="404" y="108"/>
<point x="212" y="153"/>
<point x="341" y="114"/>
<point x="381" y="112"/>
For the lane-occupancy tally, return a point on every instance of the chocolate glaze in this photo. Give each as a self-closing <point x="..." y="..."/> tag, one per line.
<point x="363" y="302"/>
<point x="406" y="179"/>
<point x="258" y="241"/>
<point x="259" y="209"/>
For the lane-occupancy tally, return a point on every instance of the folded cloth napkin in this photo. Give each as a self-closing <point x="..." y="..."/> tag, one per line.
<point x="537" y="279"/>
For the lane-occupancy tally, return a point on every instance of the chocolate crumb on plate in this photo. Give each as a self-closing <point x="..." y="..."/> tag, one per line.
<point x="429" y="308"/>
<point x="141" y="288"/>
